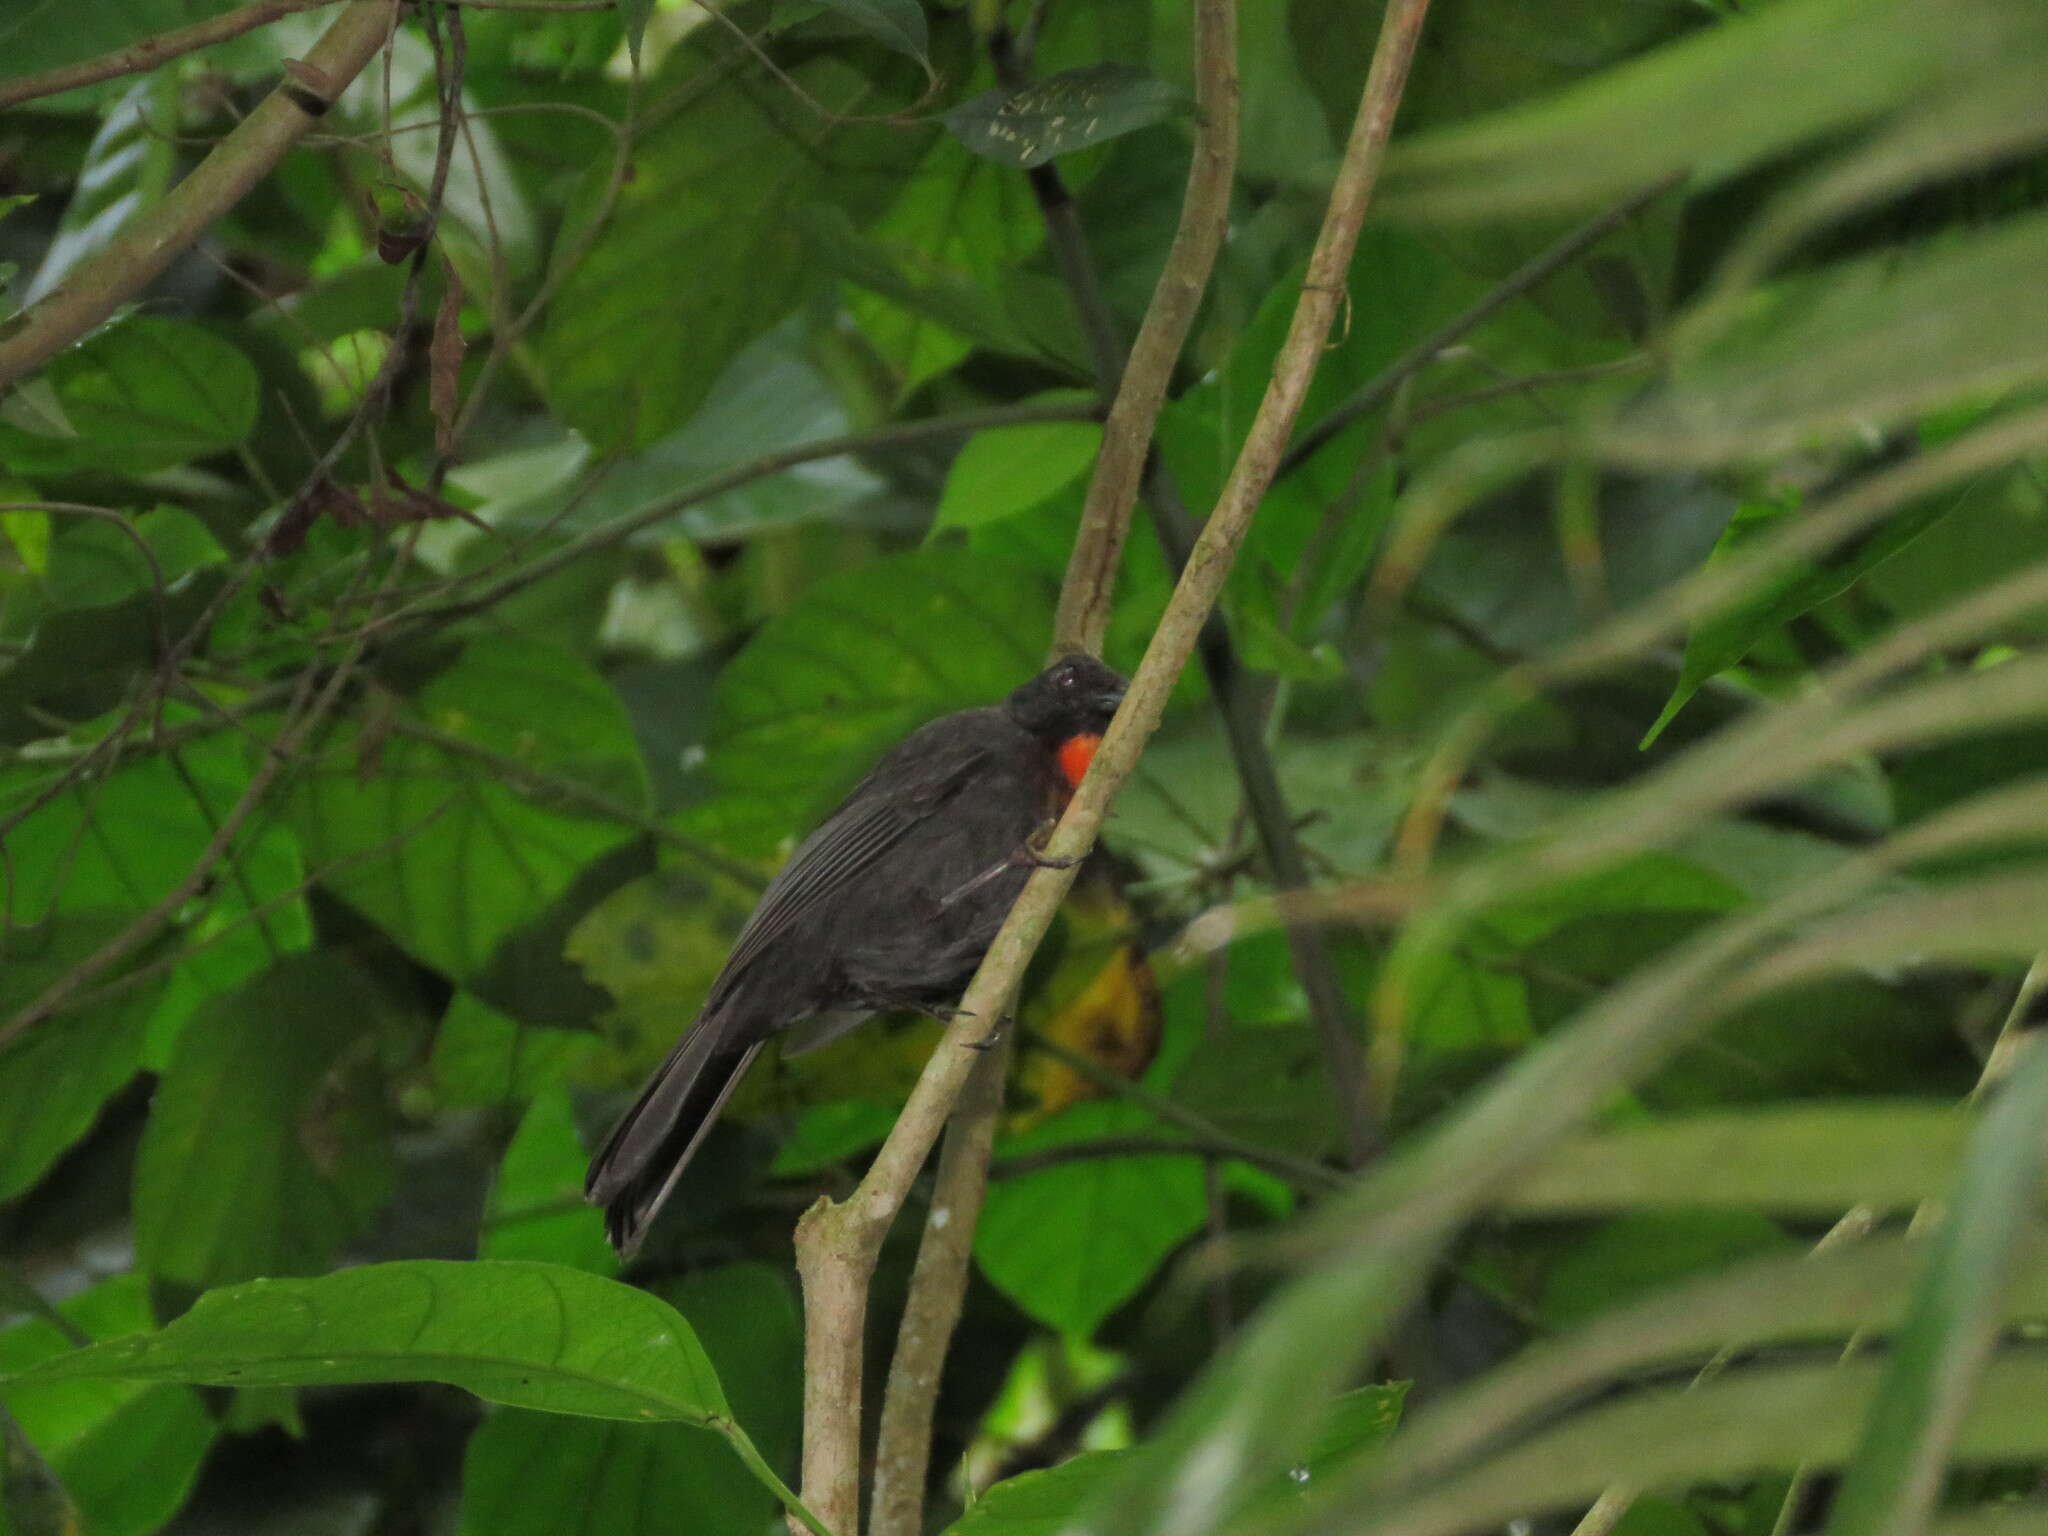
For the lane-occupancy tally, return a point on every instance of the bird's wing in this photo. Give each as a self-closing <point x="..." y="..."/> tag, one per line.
<point x="876" y="814"/>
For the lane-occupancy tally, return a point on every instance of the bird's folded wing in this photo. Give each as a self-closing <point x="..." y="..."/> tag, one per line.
<point x="875" y="817"/>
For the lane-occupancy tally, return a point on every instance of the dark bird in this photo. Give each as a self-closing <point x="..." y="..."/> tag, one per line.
<point x="890" y="904"/>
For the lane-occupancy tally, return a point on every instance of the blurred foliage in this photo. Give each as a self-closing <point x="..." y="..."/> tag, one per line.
<point x="384" y="775"/>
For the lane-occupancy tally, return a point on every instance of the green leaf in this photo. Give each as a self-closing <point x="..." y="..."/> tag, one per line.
<point x="864" y="657"/>
<point x="655" y="944"/>
<point x="120" y="843"/>
<point x="127" y="1453"/>
<point x="951" y="253"/>
<point x="898" y="24"/>
<point x="266" y="1147"/>
<point x="47" y="34"/>
<point x="483" y="1057"/>
<point x="633" y="16"/>
<point x="528" y="1335"/>
<point x="54" y="1079"/>
<point x="1814" y="1159"/>
<point x="439" y="847"/>
<point x="1072" y="1242"/>
<point x="93" y="563"/>
<point x="1060" y="114"/>
<point x="612" y="1479"/>
<point x="536" y="1208"/>
<point x="627" y="374"/>
<point x="1009" y="470"/>
<point x="1724" y="639"/>
<point x="1268" y="1085"/>
<point x="1959" y="1308"/>
<point x="140" y="395"/>
<point x="918" y="287"/>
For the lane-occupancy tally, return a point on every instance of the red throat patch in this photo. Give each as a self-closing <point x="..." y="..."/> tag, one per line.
<point x="1075" y="754"/>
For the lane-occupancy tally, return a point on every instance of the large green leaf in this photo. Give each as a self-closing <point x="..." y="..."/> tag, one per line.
<point x="266" y="1147"/>
<point x="439" y="846"/>
<point x="972" y="225"/>
<point x="54" y="1078"/>
<point x="140" y="395"/>
<point x="615" y="1479"/>
<point x="529" y="1335"/>
<point x="126" y="1452"/>
<point x="709" y="204"/>
<point x="863" y="658"/>
<point x="46" y="34"/>
<point x="1008" y="470"/>
<point x="119" y="844"/>
<point x="1072" y="1242"/>
<point x="536" y="1208"/>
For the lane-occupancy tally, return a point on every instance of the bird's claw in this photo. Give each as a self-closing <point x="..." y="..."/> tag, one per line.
<point x="992" y="1036"/>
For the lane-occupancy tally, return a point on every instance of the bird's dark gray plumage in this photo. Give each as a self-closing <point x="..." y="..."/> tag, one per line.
<point x="890" y="903"/>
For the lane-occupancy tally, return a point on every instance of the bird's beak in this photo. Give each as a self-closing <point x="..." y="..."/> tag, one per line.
<point x="1108" y="700"/>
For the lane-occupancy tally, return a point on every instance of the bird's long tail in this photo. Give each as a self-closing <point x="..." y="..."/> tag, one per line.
<point x="636" y="1169"/>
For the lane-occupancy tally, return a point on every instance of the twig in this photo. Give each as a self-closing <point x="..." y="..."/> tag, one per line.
<point x="1127" y="434"/>
<point x="837" y="1243"/>
<point x="1536" y="270"/>
<point x="152" y="51"/>
<point x="938" y="1282"/>
<point x="931" y="1311"/>
<point x="100" y="284"/>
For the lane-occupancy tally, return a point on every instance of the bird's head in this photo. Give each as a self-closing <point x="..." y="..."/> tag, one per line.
<point x="1071" y="699"/>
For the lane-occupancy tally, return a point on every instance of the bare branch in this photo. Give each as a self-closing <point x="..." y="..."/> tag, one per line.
<point x="837" y="1244"/>
<point x="1127" y="435"/>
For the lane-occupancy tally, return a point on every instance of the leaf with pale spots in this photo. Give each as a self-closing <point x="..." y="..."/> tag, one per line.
<point x="1058" y="115"/>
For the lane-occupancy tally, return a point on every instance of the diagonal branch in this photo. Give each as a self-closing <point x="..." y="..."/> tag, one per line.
<point x="838" y="1243"/>
<point x="102" y="283"/>
<point x="148" y="52"/>
<point x="938" y="1283"/>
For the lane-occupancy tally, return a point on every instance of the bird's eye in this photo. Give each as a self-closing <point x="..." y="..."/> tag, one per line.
<point x="1066" y="677"/>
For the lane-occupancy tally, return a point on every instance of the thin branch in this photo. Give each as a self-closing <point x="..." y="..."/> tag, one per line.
<point x="103" y="282"/>
<point x="938" y="1282"/>
<point x="1127" y="434"/>
<point x="1538" y="269"/>
<point x="837" y="1243"/>
<point x="148" y="53"/>
<point x="938" y="1291"/>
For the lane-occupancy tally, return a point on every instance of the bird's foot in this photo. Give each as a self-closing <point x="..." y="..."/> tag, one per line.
<point x="1033" y="852"/>
<point x="993" y="1035"/>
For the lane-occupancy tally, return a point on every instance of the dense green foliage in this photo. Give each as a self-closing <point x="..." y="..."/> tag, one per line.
<point x="414" y="656"/>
